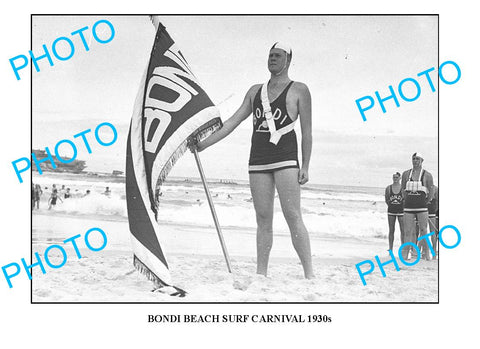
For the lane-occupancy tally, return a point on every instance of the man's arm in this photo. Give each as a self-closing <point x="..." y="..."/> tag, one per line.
<point x="231" y="124"/>
<point x="305" y="111"/>
<point x="429" y="185"/>
<point x="404" y="182"/>
<point x="386" y="195"/>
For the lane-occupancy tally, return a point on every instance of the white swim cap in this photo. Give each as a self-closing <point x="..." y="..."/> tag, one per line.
<point x="418" y="155"/>
<point x="287" y="50"/>
<point x="283" y="46"/>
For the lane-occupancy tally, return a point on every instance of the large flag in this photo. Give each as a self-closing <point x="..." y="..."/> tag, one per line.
<point x="170" y="108"/>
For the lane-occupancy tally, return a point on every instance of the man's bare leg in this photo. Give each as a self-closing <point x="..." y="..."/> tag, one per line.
<point x="391" y="231"/>
<point x="288" y="190"/>
<point x="433" y="224"/>
<point x="402" y="229"/>
<point x="263" y="192"/>
<point x="410" y="226"/>
<point x="422" y="218"/>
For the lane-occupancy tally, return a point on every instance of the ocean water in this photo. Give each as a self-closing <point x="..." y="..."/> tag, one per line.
<point x="328" y="211"/>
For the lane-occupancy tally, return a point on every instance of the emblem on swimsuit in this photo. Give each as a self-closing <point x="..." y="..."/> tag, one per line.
<point x="264" y="125"/>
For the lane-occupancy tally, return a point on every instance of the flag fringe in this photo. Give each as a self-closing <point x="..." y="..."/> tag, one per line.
<point x="143" y="269"/>
<point x="201" y="133"/>
<point x="160" y="286"/>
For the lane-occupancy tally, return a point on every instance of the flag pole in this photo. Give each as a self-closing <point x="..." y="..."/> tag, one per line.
<point x="212" y="209"/>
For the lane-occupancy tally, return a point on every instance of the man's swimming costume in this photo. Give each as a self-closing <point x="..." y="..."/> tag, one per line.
<point x="264" y="155"/>
<point x="415" y="195"/>
<point x="394" y="202"/>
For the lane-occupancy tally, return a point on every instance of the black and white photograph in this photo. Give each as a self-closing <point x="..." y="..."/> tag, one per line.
<point x="298" y="202"/>
<point x="231" y="175"/>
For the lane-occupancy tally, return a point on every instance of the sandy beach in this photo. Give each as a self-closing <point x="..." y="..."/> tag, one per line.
<point x="195" y="258"/>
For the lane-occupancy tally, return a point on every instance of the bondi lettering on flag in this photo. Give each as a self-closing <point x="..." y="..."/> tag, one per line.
<point x="170" y="108"/>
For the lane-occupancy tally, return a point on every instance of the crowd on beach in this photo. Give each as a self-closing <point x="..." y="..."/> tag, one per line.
<point x="56" y="195"/>
<point x="413" y="200"/>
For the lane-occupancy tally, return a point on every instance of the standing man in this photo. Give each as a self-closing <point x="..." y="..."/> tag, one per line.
<point x="417" y="188"/>
<point x="394" y="201"/>
<point x="276" y="106"/>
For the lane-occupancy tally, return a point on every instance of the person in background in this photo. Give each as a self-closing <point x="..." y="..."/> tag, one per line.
<point x="62" y="191"/>
<point x="394" y="201"/>
<point x="33" y="196"/>
<point x="52" y="202"/>
<point x="38" y="193"/>
<point x="433" y="219"/>
<point x="417" y="188"/>
<point x="67" y="194"/>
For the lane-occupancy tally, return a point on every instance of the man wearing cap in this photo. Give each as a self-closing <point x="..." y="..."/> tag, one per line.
<point x="276" y="106"/>
<point x="417" y="187"/>
<point x="394" y="202"/>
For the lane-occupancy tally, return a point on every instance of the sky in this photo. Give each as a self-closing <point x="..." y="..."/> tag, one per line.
<point x="340" y="58"/>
